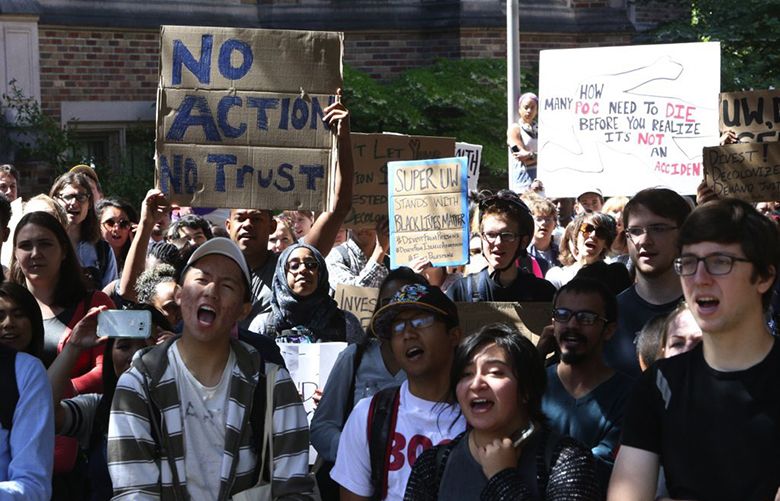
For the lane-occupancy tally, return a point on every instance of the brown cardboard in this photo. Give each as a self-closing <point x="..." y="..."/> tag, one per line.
<point x="429" y="212"/>
<point x="313" y="134"/>
<point x="748" y="171"/>
<point x="754" y="116"/>
<point x="284" y="61"/>
<point x="371" y="152"/>
<point x="280" y="169"/>
<point x="528" y="318"/>
<point x="360" y="301"/>
<point x="242" y="128"/>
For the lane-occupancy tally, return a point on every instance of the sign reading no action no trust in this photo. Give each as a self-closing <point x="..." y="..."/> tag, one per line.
<point x="428" y="210"/>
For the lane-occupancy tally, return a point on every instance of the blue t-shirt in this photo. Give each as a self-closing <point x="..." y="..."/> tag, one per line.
<point x="595" y="419"/>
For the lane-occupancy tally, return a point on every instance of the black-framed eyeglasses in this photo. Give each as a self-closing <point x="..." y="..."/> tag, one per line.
<point x="715" y="264"/>
<point x="78" y="197"/>
<point x="583" y="317"/>
<point x="586" y="229"/>
<point x="652" y="230"/>
<point x="310" y="265"/>
<point x="421" y="322"/>
<point x="540" y="220"/>
<point x="506" y="236"/>
<point x="111" y="222"/>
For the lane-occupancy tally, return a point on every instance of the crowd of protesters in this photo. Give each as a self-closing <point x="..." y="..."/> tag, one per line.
<point x="656" y="377"/>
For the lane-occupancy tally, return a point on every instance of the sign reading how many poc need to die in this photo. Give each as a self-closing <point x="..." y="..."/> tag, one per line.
<point x="429" y="216"/>
<point x="239" y="117"/>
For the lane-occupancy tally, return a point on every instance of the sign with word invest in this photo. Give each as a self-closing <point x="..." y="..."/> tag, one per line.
<point x="627" y="118"/>
<point x="239" y="116"/>
<point x="429" y="213"/>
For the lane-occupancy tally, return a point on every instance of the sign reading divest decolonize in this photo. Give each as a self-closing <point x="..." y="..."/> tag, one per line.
<point x="429" y="214"/>
<point x="625" y="118"/>
<point x="239" y="117"/>
<point x="748" y="171"/>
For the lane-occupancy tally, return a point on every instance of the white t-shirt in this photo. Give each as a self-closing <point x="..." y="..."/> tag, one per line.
<point x="420" y="425"/>
<point x="203" y="411"/>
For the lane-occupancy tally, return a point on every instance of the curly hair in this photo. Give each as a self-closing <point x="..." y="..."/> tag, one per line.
<point x="146" y="285"/>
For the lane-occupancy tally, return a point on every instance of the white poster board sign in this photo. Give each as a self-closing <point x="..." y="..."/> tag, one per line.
<point x="627" y="118"/>
<point x="473" y="154"/>
<point x="309" y="365"/>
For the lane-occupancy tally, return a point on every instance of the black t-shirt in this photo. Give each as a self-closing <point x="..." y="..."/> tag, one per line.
<point x="480" y="287"/>
<point x="633" y="313"/>
<point x="717" y="433"/>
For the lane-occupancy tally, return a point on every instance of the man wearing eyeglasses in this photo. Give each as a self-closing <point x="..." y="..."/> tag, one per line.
<point x="585" y="398"/>
<point x="421" y="324"/>
<point x="711" y="416"/>
<point x="506" y="226"/>
<point x="652" y="219"/>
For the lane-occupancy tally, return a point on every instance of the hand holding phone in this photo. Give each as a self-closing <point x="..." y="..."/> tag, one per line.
<point x="125" y="323"/>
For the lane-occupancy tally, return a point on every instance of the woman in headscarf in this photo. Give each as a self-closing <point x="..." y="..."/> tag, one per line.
<point x="301" y="309"/>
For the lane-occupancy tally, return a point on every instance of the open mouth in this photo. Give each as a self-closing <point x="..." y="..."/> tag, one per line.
<point x="480" y="405"/>
<point x="572" y="340"/>
<point x="414" y="353"/>
<point x="707" y="304"/>
<point x="206" y="315"/>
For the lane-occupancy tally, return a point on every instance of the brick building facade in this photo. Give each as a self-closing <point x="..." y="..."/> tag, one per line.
<point x="94" y="65"/>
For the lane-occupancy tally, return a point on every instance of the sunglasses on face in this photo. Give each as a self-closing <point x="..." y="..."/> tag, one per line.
<point x="586" y="229"/>
<point x="583" y="317"/>
<point x="416" y="323"/>
<point x="78" y="197"/>
<point x="111" y="222"/>
<point x="297" y="265"/>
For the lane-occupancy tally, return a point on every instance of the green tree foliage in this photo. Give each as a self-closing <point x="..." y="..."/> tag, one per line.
<point x="748" y="32"/>
<point x="464" y="99"/>
<point x="31" y="134"/>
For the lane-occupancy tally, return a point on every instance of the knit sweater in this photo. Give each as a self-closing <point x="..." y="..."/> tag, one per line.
<point x="139" y="462"/>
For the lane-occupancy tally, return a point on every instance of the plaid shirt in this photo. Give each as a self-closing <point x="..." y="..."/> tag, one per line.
<point x="348" y="265"/>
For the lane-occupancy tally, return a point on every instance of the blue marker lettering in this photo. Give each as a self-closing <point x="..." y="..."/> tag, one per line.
<point x="262" y="104"/>
<point x="221" y="161"/>
<point x="184" y="120"/>
<point x="225" y="67"/>
<point x="182" y="55"/>
<point x="223" y="109"/>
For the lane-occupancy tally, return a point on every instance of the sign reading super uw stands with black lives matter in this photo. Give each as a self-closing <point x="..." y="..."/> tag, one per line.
<point x="429" y="213"/>
<point x="239" y="117"/>
<point x="627" y="118"/>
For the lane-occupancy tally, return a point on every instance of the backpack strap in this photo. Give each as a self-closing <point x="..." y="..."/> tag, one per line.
<point x="257" y="421"/>
<point x="8" y="387"/>
<point x="382" y="417"/>
<point x="360" y="350"/>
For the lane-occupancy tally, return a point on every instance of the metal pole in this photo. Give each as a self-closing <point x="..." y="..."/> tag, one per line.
<point x="512" y="66"/>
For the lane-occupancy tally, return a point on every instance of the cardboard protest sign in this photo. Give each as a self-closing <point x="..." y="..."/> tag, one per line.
<point x="473" y="154"/>
<point x="239" y="117"/>
<point x="360" y="301"/>
<point x="371" y="152"/>
<point x="429" y="213"/>
<point x="748" y="171"/>
<point x="309" y="365"/>
<point x="754" y="116"/>
<point x="528" y="318"/>
<point x="626" y="118"/>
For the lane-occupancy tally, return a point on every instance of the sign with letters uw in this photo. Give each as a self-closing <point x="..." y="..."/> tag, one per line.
<point x="429" y="213"/>
<point x="239" y="117"/>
